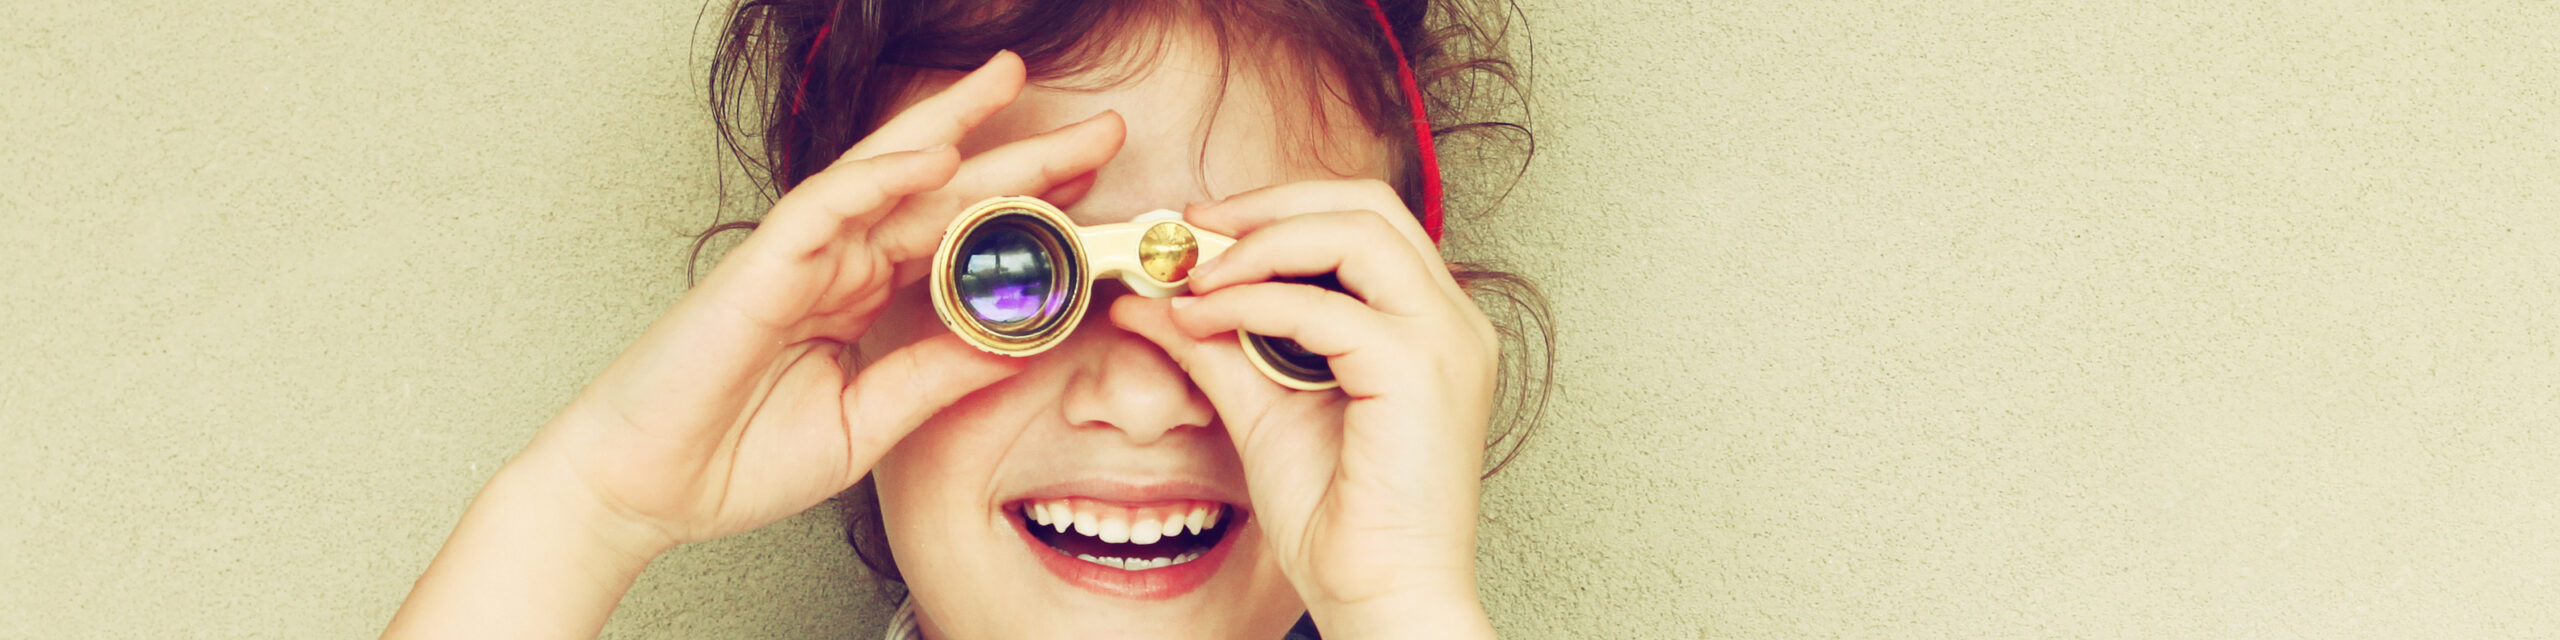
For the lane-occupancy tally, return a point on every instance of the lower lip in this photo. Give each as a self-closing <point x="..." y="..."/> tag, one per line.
<point x="1161" y="583"/>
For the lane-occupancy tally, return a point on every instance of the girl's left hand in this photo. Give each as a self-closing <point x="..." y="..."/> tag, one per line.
<point x="1366" y="495"/>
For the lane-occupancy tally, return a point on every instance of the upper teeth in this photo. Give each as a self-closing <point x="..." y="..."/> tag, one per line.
<point x="1111" y="523"/>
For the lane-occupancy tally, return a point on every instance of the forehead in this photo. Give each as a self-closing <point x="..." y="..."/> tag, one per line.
<point x="1200" y="127"/>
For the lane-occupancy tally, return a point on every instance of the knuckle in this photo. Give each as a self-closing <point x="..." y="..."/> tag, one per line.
<point x="1361" y="219"/>
<point x="817" y="183"/>
<point x="1475" y="341"/>
<point x="1369" y="224"/>
<point x="1307" y="295"/>
<point x="1383" y="195"/>
<point x="1449" y="363"/>
<point x="1389" y="234"/>
<point x="1375" y="188"/>
<point x="1381" y="202"/>
<point x="1465" y="345"/>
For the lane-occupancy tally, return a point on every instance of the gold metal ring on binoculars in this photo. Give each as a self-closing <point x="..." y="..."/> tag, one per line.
<point x="1014" y="276"/>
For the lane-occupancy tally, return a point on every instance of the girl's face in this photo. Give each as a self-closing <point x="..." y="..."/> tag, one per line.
<point x="1103" y="431"/>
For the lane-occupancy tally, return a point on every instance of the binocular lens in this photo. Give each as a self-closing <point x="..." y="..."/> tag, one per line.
<point x="1005" y="275"/>
<point x="1289" y="359"/>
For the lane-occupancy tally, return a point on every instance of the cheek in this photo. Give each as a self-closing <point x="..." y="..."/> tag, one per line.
<point x="936" y="490"/>
<point x="938" y="500"/>
<point x="952" y="458"/>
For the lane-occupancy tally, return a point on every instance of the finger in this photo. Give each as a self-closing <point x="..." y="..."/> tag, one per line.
<point x="1067" y="194"/>
<point x="899" y="391"/>
<point x="1217" y="365"/>
<point x="1367" y="353"/>
<point x="1359" y="343"/>
<point x="814" y="214"/>
<point x="1358" y="247"/>
<point x="1243" y="213"/>
<point x="1027" y="166"/>
<point x="947" y="115"/>
<point x="1039" y="163"/>
<point x="1279" y="450"/>
<point x="731" y="325"/>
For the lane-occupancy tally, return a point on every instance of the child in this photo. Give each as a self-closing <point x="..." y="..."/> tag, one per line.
<point x="1142" y="479"/>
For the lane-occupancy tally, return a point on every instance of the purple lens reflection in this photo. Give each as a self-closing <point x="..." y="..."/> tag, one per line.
<point x="1006" y="278"/>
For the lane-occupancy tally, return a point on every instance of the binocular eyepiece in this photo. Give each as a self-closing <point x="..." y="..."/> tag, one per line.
<point x="1014" y="276"/>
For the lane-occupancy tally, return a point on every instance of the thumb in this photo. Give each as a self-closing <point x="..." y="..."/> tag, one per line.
<point x="899" y="391"/>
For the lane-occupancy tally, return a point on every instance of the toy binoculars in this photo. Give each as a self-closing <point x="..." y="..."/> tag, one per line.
<point x="1014" y="276"/>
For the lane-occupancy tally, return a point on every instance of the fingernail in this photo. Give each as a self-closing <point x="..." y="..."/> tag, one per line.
<point x="935" y="148"/>
<point x="1205" y="266"/>
<point x="1184" y="301"/>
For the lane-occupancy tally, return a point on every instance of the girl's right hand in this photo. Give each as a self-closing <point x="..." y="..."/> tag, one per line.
<point x="736" y="409"/>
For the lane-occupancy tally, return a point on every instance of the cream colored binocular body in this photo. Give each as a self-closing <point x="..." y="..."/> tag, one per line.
<point x="1014" y="276"/>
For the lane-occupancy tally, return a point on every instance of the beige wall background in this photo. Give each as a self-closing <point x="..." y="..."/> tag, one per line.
<point x="2203" y="319"/>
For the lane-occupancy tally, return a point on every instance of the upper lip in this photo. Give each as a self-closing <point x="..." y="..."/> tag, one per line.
<point x="1128" y="492"/>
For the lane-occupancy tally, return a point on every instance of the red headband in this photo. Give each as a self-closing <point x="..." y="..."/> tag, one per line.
<point x="1421" y="127"/>
<point x="1422" y="142"/>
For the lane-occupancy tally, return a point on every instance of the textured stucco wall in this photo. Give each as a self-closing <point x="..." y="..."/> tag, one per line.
<point x="2207" y="319"/>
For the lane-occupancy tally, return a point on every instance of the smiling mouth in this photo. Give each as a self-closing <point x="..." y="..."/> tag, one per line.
<point x="1130" y="539"/>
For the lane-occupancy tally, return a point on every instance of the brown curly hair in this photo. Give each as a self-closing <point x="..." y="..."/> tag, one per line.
<point x="1457" y="50"/>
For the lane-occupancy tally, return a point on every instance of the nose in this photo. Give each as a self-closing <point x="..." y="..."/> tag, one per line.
<point x="1127" y="383"/>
